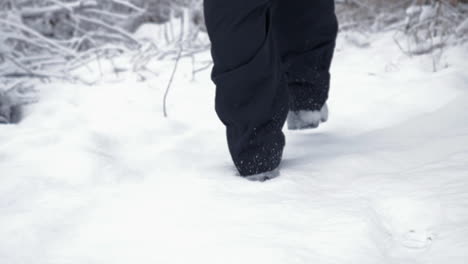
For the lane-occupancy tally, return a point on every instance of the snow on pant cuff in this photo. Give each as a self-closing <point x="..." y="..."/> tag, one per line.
<point x="309" y="78"/>
<point x="309" y="96"/>
<point x="260" y="158"/>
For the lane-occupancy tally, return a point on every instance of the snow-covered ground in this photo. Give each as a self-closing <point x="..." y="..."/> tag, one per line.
<point x="96" y="175"/>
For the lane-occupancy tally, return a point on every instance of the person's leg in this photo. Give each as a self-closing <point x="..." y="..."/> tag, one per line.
<point x="306" y="31"/>
<point x="250" y="97"/>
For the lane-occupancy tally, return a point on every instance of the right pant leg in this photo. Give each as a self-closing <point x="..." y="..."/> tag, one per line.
<point x="251" y="99"/>
<point x="306" y="31"/>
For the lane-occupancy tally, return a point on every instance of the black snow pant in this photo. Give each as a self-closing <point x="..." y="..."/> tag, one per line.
<point x="270" y="57"/>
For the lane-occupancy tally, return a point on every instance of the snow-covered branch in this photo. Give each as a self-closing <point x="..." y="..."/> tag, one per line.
<point x="64" y="7"/>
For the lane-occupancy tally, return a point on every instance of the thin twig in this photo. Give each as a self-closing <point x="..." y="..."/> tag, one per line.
<point x="129" y="5"/>
<point x="19" y="64"/>
<point x="170" y="81"/>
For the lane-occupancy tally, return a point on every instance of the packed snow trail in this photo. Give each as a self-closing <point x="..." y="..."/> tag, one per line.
<point x="97" y="175"/>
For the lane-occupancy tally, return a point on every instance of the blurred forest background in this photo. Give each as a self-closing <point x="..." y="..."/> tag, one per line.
<point x="47" y="40"/>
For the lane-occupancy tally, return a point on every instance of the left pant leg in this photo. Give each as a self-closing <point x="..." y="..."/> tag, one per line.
<point x="251" y="99"/>
<point x="305" y="33"/>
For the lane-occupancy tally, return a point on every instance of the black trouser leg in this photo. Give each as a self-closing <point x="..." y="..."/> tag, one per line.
<point x="251" y="98"/>
<point x="305" y="32"/>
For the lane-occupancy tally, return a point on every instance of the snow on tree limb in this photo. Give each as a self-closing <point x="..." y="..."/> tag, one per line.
<point x="71" y="7"/>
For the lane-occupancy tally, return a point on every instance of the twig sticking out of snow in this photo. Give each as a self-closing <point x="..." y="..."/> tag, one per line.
<point x="166" y="93"/>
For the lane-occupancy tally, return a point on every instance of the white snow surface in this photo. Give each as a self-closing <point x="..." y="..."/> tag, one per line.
<point x="96" y="175"/>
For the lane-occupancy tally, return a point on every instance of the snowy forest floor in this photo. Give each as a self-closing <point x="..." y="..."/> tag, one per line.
<point x="95" y="174"/>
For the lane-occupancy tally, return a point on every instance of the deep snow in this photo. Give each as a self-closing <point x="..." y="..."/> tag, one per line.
<point x="97" y="175"/>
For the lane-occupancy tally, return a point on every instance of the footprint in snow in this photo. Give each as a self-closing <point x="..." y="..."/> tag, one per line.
<point x="410" y="222"/>
<point x="417" y="239"/>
